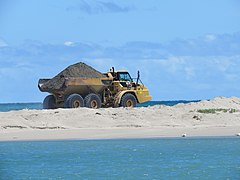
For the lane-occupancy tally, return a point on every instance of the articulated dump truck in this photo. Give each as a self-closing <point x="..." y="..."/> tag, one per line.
<point x="80" y="85"/>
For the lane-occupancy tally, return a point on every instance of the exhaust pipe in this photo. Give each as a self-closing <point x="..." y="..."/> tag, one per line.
<point x="138" y="76"/>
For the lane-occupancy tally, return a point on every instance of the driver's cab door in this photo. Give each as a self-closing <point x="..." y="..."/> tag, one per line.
<point x="125" y="79"/>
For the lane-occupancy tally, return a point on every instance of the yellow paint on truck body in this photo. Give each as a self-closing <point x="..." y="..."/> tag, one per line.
<point x="141" y="93"/>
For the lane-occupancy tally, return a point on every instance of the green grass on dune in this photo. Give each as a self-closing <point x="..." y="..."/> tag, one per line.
<point x="213" y="111"/>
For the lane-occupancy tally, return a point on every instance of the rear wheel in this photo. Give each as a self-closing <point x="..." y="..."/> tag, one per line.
<point x="49" y="102"/>
<point x="92" y="101"/>
<point x="128" y="100"/>
<point x="74" y="101"/>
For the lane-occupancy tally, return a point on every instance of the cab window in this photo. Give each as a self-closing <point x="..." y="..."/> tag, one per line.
<point x="124" y="77"/>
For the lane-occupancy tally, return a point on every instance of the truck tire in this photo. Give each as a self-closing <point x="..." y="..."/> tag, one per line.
<point x="128" y="100"/>
<point x="74" y="101"/>
<point x="49" y="102"/>
<point x="92" y="101"/>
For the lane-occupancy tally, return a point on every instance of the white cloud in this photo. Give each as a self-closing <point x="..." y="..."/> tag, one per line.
<point x="3" y="43"/>
<point x="101" y="64"/>
<point x="224" y="63"/>
<point x="69" y="43"/>
<point x="190" y="72"/>
<point x="98" y="7"/>
<point x="173" y="63"/>
<point x="210" y="37"/>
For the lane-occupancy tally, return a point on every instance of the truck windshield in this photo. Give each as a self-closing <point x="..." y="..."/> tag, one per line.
<point x="124" y="77"/>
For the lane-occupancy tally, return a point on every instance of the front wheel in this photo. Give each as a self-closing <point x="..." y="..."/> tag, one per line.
<point x="74" y="101"/>
<point x="92" y="101"/>
<point x="128" y="100"/>
<point x="49" y="102"/>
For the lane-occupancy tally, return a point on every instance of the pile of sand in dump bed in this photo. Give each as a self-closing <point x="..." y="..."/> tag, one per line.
<point x="75" y="70"/>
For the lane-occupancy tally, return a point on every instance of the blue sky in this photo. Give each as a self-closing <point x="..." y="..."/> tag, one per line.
<point x="184" y="49"/>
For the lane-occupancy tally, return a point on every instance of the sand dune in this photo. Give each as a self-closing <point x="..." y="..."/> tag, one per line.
<point x="155" y="121"/>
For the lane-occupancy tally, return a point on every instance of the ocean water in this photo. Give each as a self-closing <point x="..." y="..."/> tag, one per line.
<point x="170" y="158"/>
<point x="167" y="103"/>
<point x="19" y="106"/>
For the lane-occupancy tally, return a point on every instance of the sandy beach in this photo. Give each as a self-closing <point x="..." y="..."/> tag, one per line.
<point x="217" y="117"/>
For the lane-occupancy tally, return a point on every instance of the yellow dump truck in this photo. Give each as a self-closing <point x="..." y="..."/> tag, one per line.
<point x="111" y="89"/>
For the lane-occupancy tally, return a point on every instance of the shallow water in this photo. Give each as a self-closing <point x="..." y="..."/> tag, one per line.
<point x="176" y="158"/>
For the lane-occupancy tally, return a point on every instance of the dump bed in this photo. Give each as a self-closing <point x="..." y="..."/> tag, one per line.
<point x="76" y="85"/>
<point x="77" y="76"/>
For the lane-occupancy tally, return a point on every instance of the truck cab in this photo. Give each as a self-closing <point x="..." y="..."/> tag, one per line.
<point x="127" y="91"/>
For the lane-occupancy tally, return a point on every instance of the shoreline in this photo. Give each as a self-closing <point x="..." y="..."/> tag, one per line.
<point x="105" y="139"/>
<point x="118" y="133"/>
